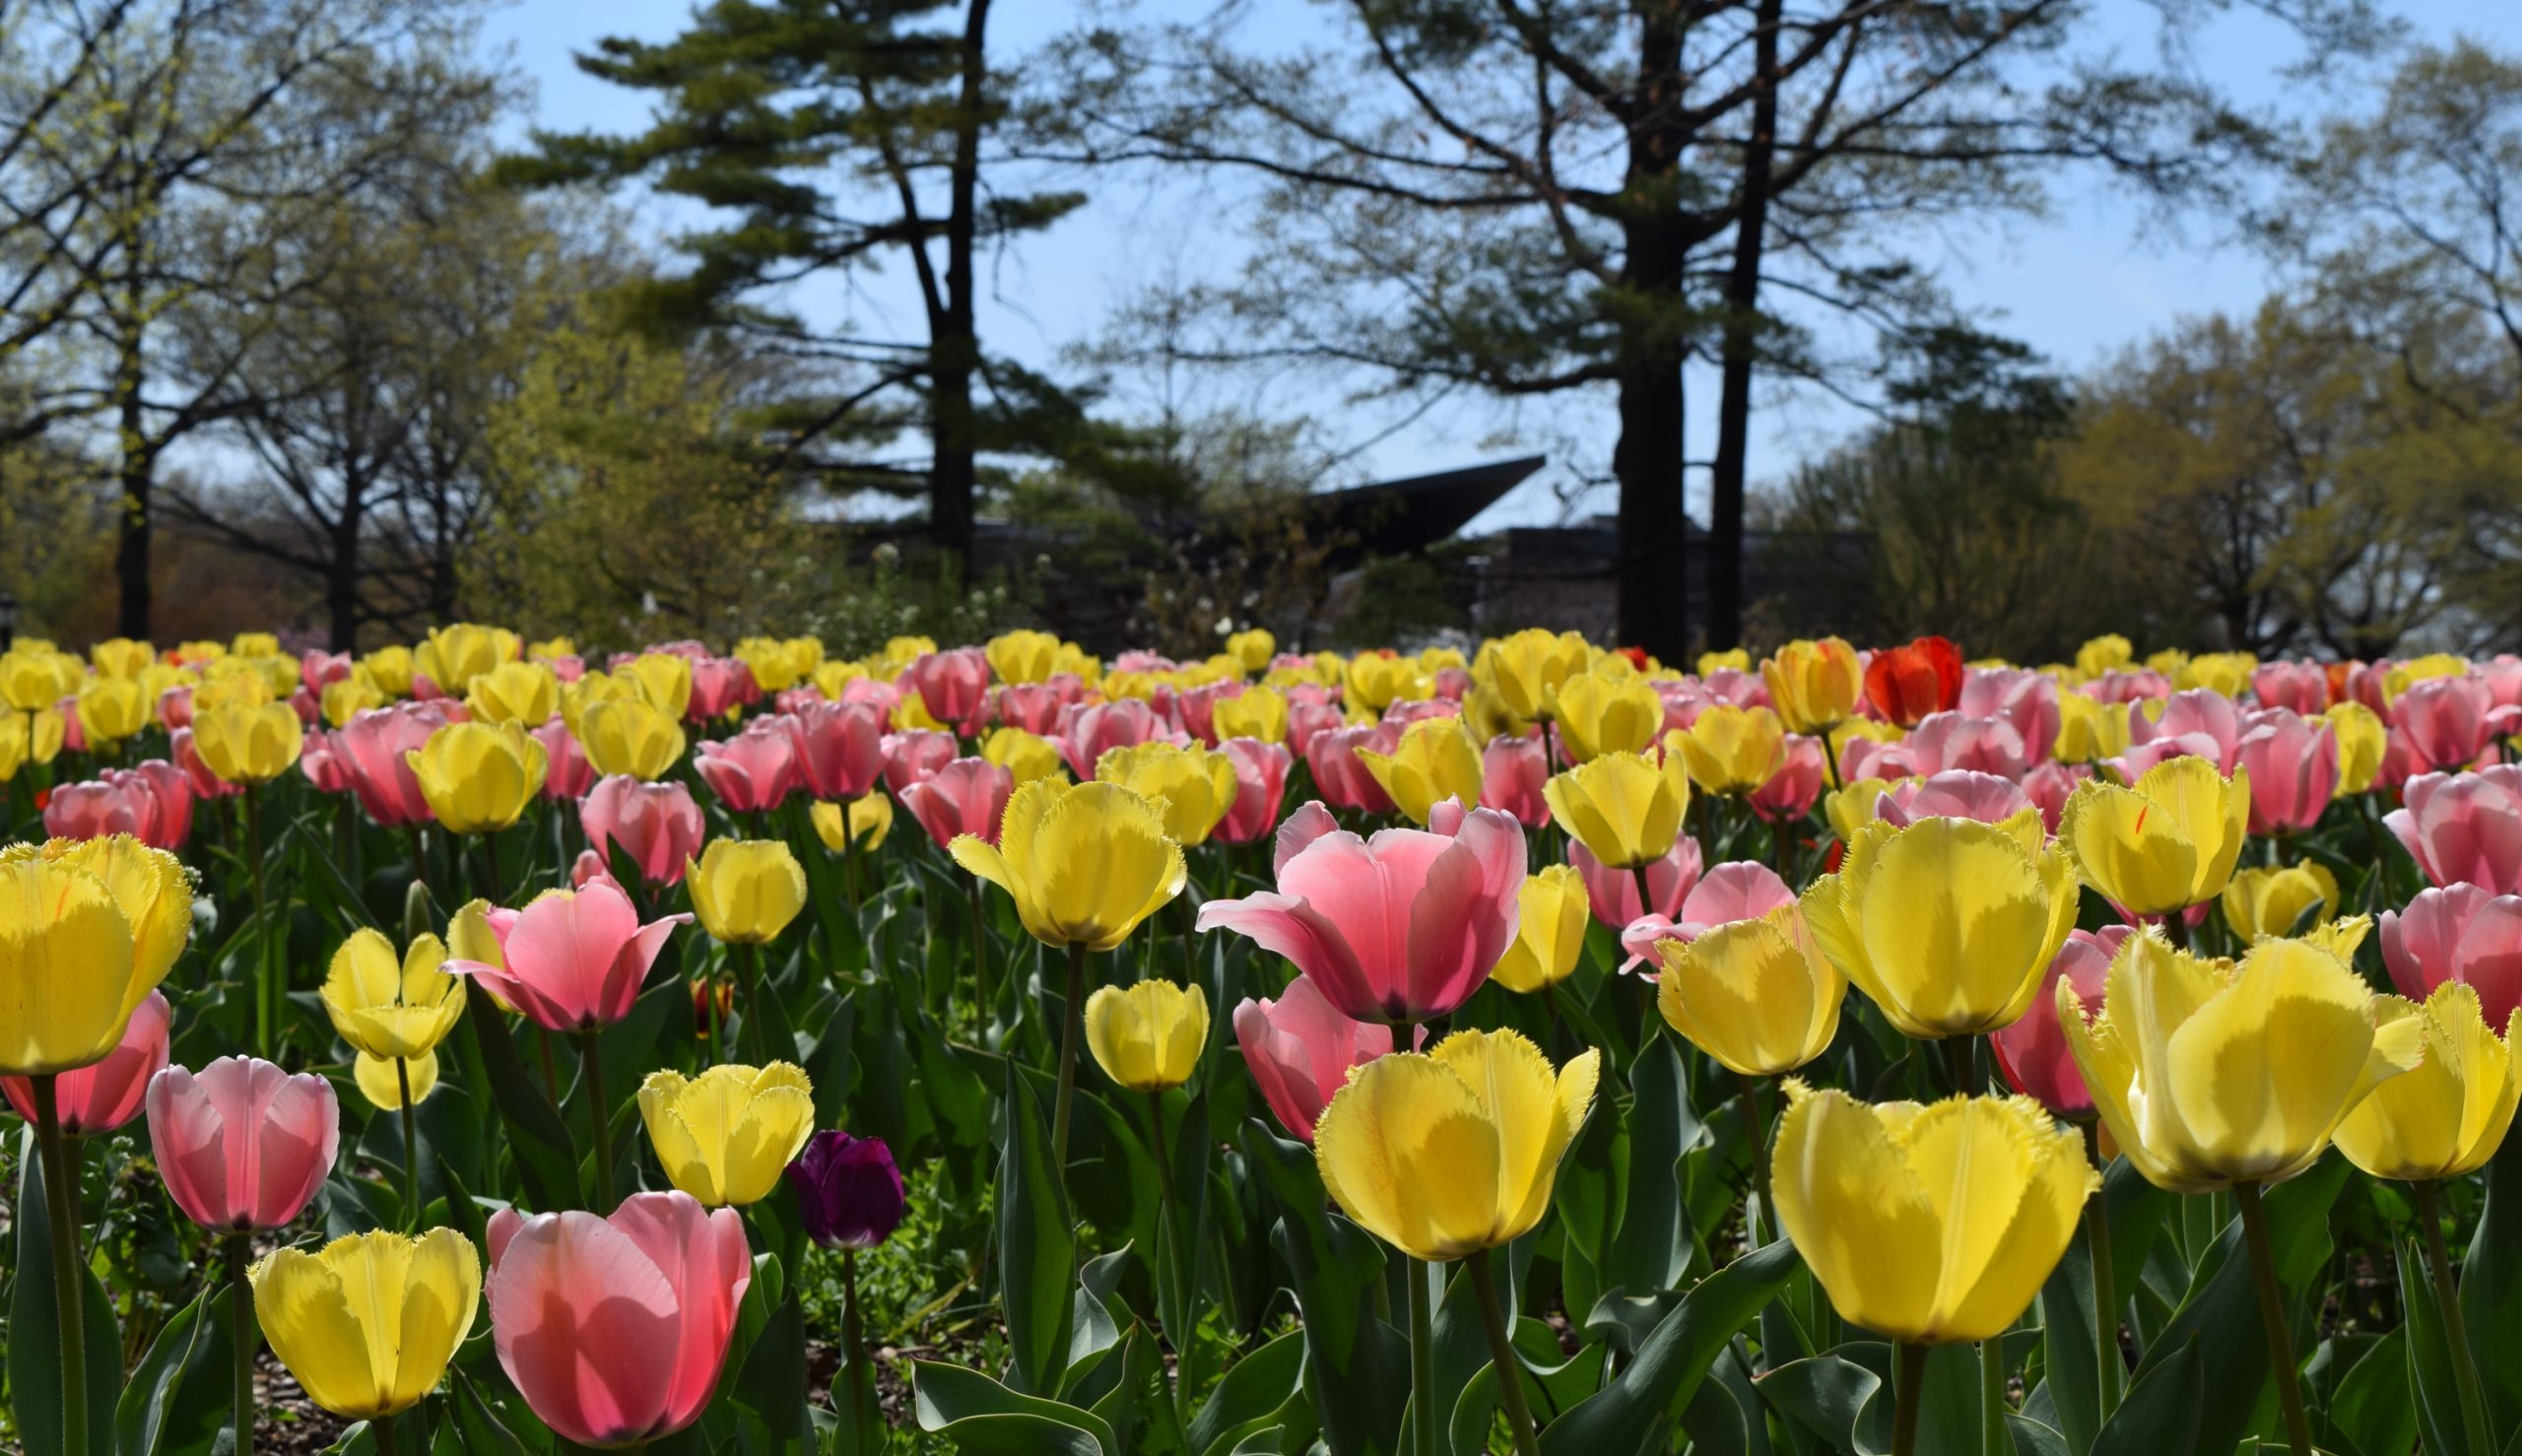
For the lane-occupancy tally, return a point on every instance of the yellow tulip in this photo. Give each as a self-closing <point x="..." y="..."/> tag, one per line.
<point x="664" y="679"/>
<point x="1814" y="685"/>
<point x="745" y="891"/>
<point x="1714" y="662"/>
<point x="253" y="645"/>
<point x="725" y="1136"/>
<point x="2102" y="654"/>
<point x="388" y="1007"/>
<point x="2089" y="731"/>
<point x="199" y="652"/>
<point x="345" y="698"/>
<point x="1454" y="1151"/>
<point x="391" y="669"/>
<point x="632" y="734"/>
<point x="1757" y="995"/>
<point x="2169" y="661"/>
<point x="1253" y="650"/>
<point x="1550" y="932"/>
<point x="1255" y="713"/>
<point x="453" y="656"/>
<point x="33" y="677"/>
<point x="553" y="649"/>
<point x="1435" y="761"/>
<point x="2165" y="844"/>
<point x="1730" y="750"/>
<point x="1085" y="863"/>
<point x="1196" y="785"/>
<point x="1599" y="715"/>
<point x="87" y="929"/>
<point x="368" y="1324"/>
<point x="2225" y="673"/>
<point x="527" y="693"/>
<point x="1025" y="756"/>
<point x="1149" y="1036"/>
<point x="1947" y="923"/>
<point x="2269" y="900"/>
<point x="1486" y="715"/>
<point x="2447" y="1117"/>
<point x="870" y="821"/>
<point x="1525" y="670"/>
<point x="2398" y="677"/>
<point x="592" y="687"/>
<point x="1375" y="682"/>
<point x="121" y="657"/>
<point x="1928" y="1225"/>
<point x="383" y="1084"/>
<point x="1626" y="809"/>
<point x="2210" y="1074"/>
<point x="776" y="666"/>
<point x="248" y="745"/>
<point x="112" y="709"/>
<point x="832" y="678"/>
<point x="2362" y="742"/>
<point x="1022" y="656"/>
<point x="1855" y="805"/>
<point x="478" y="778"/>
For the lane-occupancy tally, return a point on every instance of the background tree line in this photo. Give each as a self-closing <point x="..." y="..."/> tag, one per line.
<point x="285" y="335"/>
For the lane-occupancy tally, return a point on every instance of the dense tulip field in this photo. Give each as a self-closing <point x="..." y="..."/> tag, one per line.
<point x="487" y="1047"/>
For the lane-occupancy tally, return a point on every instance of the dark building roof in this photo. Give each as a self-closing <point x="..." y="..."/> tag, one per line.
<point x="1396" y="517"/>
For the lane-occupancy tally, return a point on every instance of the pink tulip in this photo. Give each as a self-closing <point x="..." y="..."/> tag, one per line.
<point x="2502" y="675"/>
<point x="2293" y="763"/>
<point x="656" y="823"/>
<point x="951" y="686"/>
<point x="588" y="865"/>
<point x="1260" y="784"/>
<point x="875" y="693"/>
<point x="1738" y="890"/>
<point x="616" y="1329"/>
<point x="1951" y="740"/>
<point x="1417" y="709"/>
<point x="309" y="710"/>
<point x="1613" y="893"/>
<point x="566" y="773"/>
<point x="2195" y="717"/>
<point x="2033" y="1052"/>
<point x="968" y="796"/>
<point x="1307" y="721"/>
<point x="242" y="1145"/>
<point x="2047" y="786"/>
<point x="2445" y="720"/>
<point x="717" y="685"/>
<point x="1140" y="660"/>
<point x="1453" y="684"/>
<point x="1086" y="733"/>
<point x="204" y="783"/>
<point x="1032" y="707"/>
<point x="568" y="666"/>
<point x="1398" y="928"/>
<point x="2459" y="933"/>
<point x="576" y="958"/>
<point x="1959" y="794"/>
<point x="1196" y="707"/>
<point x="2465" y="827"/>
<point x="102" y="1097"/>
<point x="1865" y="758"/>
<point x="163" y="798"/>
<point x="913" y="755"/>
<point x="1339" y="774"/>
<point x="840" y="749"/>
<point x="2127" y="684"/>
<point x="175" y="708"/>
<point x="752" y="771"/>
<point x="1300" y="1048"/>
<point x="1736" y="686"/>
<point x="376" y="741"/>
<point x="74" y="739"/>
<point x="2025" y="700"/>
<point x="90" y="810"/>
<point x="2299" y="687"/>
<point x="1790" y="794"/>
<point x="317" y="671"/>
<point x="323" y="765"/>
<point x="1512" y="772"/>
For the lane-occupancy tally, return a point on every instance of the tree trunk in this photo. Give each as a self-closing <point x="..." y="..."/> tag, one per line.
<point x="955" y="350"/>
<point x="1648" y="461"/>
<point x="341" y="576"/>
<point x="1741" y="342"/>
<point x="135" y="478"/>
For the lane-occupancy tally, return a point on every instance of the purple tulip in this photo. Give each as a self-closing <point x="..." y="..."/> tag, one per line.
<point x="851" y="1192"/>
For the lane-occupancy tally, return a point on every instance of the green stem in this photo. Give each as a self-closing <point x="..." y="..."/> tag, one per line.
<point x="2106" y="1296"/>
<point x="2456" y="1331"/>
<point x="240" y="1325"/>
<point x="749" y="970"/>
<point x="2176" y="929"/>
<point x="1070" y="1014"/>
<point x="1177" y="1312"/>
<point x="1759" y="1128"/>
<point x="980" y="956"/>
<point x="265" y="1013"/>
<point x="1422" y="1359"/>
<point x="2272" y="1316"/>
<point x="850" y="856"/>
<point x="69" y="1291"/>
<point x="603" y="1118"/>
<point x="411" y="1149"/>
<point x="853" y="1343"/>
<point x="382" y="1427"/>
<point x="1502" y="1356"/>
<point x="1908" y="1391"/>
<point x="1957" y="1060"/>
<point x="1993" y="1439"/>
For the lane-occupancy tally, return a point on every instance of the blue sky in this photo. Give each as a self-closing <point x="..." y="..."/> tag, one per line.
<point x="2096" y="275"/>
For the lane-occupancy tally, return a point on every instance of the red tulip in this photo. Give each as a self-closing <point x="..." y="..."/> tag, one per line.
<point x="1905" y="683"/>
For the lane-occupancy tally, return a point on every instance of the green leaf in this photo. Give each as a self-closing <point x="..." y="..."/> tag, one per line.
<point x="35" y="1328"/>
<point x="2159" y="1415"/>
<point x="986" y="1418"/>
<point x="2492" y="1292"/>
<point x="2375" y="1408"/>
<point x="1256" y="1386"/>
<point x="773" y="1384"/>
<point x="176" y="1400"/>
<point x="1633" y="1413"/>
<point x="1036" y="1249"/>
<point x="539" y="1142"/>
<point x="2429" y="1360"/>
